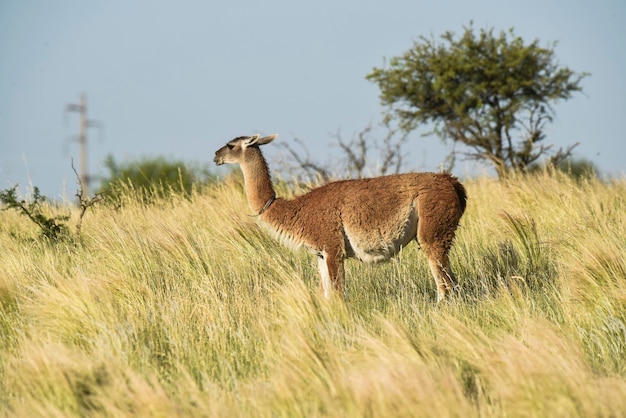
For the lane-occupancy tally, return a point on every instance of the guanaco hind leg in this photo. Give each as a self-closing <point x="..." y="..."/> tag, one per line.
<point x="438" y="219"/>
<point x="444" y="278"/>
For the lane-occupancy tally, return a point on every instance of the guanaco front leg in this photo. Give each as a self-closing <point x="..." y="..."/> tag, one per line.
<point x="331" y="274"/>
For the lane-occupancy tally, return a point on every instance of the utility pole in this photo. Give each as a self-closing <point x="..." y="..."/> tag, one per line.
<point x="84" y="123"/>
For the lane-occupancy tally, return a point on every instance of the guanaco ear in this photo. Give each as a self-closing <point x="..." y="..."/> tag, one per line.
<point x="267" y="139"/>
<point x="256" y="139"/>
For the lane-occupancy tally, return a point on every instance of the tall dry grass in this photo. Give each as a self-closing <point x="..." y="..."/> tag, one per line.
<point x="185" y="307"/>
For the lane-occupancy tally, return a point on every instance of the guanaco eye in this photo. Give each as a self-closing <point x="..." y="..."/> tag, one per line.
<point x="230" y="146"/>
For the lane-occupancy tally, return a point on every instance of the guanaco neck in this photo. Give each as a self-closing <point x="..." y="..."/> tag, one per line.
<point x="257" y="181"/>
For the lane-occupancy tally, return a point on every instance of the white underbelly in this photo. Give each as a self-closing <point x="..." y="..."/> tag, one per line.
<point x="375" y="246"/>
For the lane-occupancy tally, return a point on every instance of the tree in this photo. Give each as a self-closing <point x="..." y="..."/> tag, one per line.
<point x="494" y="94"/>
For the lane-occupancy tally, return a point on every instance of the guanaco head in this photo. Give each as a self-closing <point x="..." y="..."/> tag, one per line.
<point x="234" y="151"/>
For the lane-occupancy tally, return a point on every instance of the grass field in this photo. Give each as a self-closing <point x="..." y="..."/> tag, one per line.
<point x="185" y="307"/>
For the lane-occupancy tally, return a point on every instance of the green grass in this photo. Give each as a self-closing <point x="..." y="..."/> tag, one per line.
<point x="185" y="307"/>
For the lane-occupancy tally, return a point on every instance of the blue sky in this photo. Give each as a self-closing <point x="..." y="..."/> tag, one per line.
<point x="179" y="79"/>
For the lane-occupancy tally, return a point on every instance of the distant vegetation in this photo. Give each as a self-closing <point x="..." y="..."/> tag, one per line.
<point x="578" y="168"/>
<point x="151" y="177"/>
<point x="185" y="307"/>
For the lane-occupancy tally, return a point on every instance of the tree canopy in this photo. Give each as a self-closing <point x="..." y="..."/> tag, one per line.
<point x="492" y="93"/>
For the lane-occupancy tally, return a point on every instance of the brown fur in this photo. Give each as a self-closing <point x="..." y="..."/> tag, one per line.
<point x="370" y="219"/>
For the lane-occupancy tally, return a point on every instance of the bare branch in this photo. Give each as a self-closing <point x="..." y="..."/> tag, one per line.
<point x="355" y="156"/>
<point x="304" y="162"/>
<point x="83" y="202"/>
